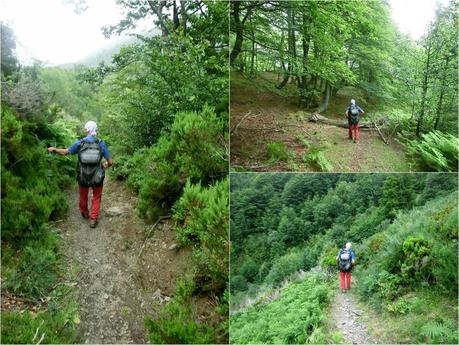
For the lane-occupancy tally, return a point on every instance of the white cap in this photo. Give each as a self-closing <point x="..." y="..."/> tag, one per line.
<point x="348" y="245"/>
<point x="91" y="127"/>
<point x="353" y="101"/>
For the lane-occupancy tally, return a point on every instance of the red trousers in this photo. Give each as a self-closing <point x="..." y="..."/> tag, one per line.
<point x="354" y="127"/>
<point x="344" y="280"/>
<point x="95" y="203"/>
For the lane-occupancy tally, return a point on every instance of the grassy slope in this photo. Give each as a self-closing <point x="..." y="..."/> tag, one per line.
<point x="276" y="117"/>
<point x="417" y="312"/>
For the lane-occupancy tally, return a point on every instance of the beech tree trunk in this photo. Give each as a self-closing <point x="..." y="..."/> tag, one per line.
<point x="424" y="90"/>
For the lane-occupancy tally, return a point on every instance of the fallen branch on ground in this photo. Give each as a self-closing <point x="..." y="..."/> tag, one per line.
<point x="273" y="129"/>
<point x="234" y="130"/>
<point x="253" y="166"/>
<point x="160" y="218"/>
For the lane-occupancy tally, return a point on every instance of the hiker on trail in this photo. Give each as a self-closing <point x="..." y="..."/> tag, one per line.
<point x="345" y="260"/>
<point x="353" y="116"/>
<point x="90" y="169"/>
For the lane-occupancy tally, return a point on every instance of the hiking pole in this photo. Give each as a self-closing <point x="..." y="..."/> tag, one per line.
<point x="377" y="128"/>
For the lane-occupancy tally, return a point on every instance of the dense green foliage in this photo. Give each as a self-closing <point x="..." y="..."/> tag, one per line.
<point x="332" y="51"/>
<point x="295" y="317"/>
<point x="436" y="151"/>
<point x="175" y="324"/>
<point x="28" y="198"/>
<point x="203" y="213"/>
<point x="192" y="149"/>
<point x="403" y="226"/>
<point x="32" y="195"/>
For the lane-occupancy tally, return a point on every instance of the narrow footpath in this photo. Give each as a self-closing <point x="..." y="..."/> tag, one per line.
<point x="117" y="289"/>
<point x="348" y="320"/>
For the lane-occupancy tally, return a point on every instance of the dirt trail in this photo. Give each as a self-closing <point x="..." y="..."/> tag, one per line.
<point x="348" y="320"/>
<point x="115" y="291"/>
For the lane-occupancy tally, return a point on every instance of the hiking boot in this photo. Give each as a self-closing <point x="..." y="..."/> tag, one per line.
<point x="93" y="223"/>
<point x="356" y="141"/>
<point x="85" y="215"/>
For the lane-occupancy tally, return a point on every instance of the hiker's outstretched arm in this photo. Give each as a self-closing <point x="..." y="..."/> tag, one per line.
<point x="108" y="163"/>
<point x="62" y="152"/>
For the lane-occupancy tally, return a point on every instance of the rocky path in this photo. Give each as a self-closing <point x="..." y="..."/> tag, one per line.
<point x="117" y="290"/>
<point x="348" y="320"/>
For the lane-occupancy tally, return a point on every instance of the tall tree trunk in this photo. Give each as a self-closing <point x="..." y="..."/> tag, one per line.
<point x="184" y="15"/>
<point x="252" y="34"/>
<point x="175" y="17"/>
<point x="239" y="26"/>
<point x="442" y="92"/>
<point x="424" y="89"/>
<point x="290" y="42"/>
<point x="305" y="42"/>
<point x="238" y="29"/>
<point x="157" y="8"/>
<point x="324" y="106"/>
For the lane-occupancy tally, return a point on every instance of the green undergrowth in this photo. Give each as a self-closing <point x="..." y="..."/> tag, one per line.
<point x="32" y="195"/>
<point x="38" y="274"/>
<point x="278" y="151"/>
<point x="296" y="316"/>
<point x="435" y="151"/>
<point x="202" y="224"/>
<point x="316" y="158"/>
<point x="409" y="274"/>
<point x="193" y="150"/>
<point x="175" y="324"/>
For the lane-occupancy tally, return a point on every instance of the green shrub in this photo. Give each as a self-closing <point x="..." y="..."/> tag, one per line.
<point x="401" y="306"/>
<point x="416" y="264"/>
<point x="445" y="266"/>
<point x="439" y="332"/>
<point x="58" y="328"/>
<point x="249" y="270"/>
<point x="31" y="178"/>
<point x="328" y="260"/>
<point x="284" y="266"/>
<point x="192" y="150"/>
<point x="316" y="158"/>
<point x="203" y="216"/>
<point x="238" y="283"/>
<point x="36" y="274"/>
<point x="277" y="151"/>
<point x="175" y="323"/>
<point x="436" y="151"/>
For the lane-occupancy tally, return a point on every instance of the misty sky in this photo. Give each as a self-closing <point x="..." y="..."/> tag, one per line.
<point x="52" y="32"/>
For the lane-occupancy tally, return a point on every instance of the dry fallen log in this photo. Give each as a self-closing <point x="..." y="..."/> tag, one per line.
<point x="380" y="133"/>
<point x="343" y="123"/>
